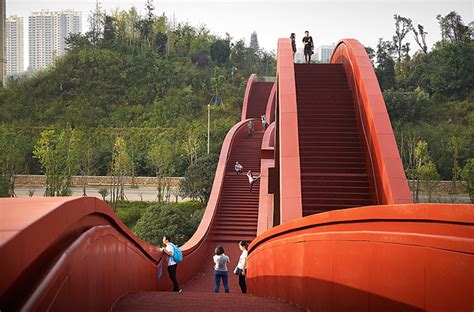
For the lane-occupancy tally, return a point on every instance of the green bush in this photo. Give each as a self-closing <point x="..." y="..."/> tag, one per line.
<point x="179" y="220"/>
<point x="131" y="211"/>
<point x="468" y="177"/>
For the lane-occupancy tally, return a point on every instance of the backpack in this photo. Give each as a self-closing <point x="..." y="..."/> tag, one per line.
<point x="177" y="254"/>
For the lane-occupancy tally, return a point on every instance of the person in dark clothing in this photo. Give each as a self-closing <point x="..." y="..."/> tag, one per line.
<point x="241" y="269"/>
<point x="308" y="47"/>
<point x="293" y="42"/>
<point x="172" y="265"/>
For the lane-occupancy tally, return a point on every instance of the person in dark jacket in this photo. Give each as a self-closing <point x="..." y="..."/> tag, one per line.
<point x="308" y="47"/>
<point x="293" y="42"/>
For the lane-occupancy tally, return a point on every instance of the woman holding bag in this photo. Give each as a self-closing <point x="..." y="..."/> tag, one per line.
<point x="241" y="267"/>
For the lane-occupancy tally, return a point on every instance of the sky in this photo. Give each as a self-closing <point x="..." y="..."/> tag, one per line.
<point x="327" y="21"/>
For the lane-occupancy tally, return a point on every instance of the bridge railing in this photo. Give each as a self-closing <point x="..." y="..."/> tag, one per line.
<point x="383" y="160"/>
<point x="378" y="258"/>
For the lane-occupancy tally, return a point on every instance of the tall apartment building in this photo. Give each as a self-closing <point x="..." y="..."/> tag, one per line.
<point x="14" y="44"/>
<point x="2" y="42"/>
<point x="47" y="35"/>
<point x="324" y="53"/>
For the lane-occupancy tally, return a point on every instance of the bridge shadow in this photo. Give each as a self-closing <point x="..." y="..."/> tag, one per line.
<point x="320" y="295"/>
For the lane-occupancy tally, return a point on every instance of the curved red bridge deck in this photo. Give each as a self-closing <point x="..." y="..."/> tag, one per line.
<point x="329" y="147"/>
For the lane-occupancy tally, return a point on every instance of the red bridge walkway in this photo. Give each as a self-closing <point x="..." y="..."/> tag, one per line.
<point x="337" y="229"/>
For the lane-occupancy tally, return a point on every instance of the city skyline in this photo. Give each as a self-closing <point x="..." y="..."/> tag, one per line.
<point x="360" y="20"/>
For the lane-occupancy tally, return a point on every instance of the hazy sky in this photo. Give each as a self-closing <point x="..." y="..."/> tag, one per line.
<point x="327" y="21"/>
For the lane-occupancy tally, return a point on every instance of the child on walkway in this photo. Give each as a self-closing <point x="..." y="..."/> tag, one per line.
<point x="220" y="269"/>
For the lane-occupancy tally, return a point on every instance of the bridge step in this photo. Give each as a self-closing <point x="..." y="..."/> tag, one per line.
<point x="332" y="159"/>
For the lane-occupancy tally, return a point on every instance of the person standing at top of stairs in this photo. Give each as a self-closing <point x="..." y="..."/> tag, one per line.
<point x="308" y="47"/>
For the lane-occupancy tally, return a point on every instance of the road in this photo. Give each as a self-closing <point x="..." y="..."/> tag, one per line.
<point x="133" y="194"/>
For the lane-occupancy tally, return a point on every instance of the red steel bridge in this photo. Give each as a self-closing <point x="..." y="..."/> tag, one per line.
<point x="332" y="224"/>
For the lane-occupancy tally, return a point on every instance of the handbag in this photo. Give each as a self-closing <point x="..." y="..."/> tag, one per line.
<point x="237" y="271"/>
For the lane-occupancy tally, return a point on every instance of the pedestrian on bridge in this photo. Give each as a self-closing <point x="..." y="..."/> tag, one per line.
<point x="293" y="43"/>
<point x="220" y="269"/>
<point x="308" y="47"/>
<point x="250" y="128"/>
<point x="252" y="179"/>
<point x="172" y="265"/>
<point x="241" y="268"/>
<point x="264" y="122"/>
<point x="238" y="168"/>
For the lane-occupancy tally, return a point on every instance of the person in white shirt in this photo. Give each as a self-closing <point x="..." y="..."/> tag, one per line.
<point x="242" y="266"/>
<point x="220" y="269"/>
<point x="252" y="179"/>
<point x="172" y="265"/>
<point x="238" y="167"/>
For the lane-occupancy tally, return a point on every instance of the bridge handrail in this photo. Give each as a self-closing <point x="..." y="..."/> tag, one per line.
<point x="359" y="259"/>
<point x="385" y="165"/>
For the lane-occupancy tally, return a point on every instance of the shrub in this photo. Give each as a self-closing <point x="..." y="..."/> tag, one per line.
<point x="179" y="220"/>
<point x="468" y="177"/>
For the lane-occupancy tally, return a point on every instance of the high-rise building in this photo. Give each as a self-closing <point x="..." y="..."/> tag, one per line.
<point x="2" y="42"/>
<point x="324" y="53"/>
<point x="47" y="35"/>
<point x="14" y="43"/>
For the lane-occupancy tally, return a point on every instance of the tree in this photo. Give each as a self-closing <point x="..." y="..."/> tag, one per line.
<point x="429" y="176"/>
<point x="420" y="38"/>
<point x="450" y="70"/>
<point x="58" y="153"/>
<point x="385" y="65"/>
<point x="220" y="51"/>
<point x="12" y="159"/>
<point x="179" y="221"/>
<point x="454" y="147"/>
<point x="199" y="177"/>
<point x="86" y="160"/>
<point x="120" y="168"/>
<point x="422" y="158"/>
<point x="403" y="26"/>
<point x="254" y="42"/>
<point x="468" y="177"/>
<point x="160" y="158"/>
<point x="453" y="29"/>
<point x="370" y="54"/>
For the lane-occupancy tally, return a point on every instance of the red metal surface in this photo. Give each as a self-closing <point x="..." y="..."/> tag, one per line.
<point x="266" y="198"/>
<point x="39" y="237"/>
<point x="288" y="140"/>
<point x="333" y="164"/>
<point x="271" y="105"/>
<point x="62" y="251"/>
<point x="256" y="97"/>
<point x="199" y="302"/>
<point x="378" y="258"/>
<point x="383" y="157"/>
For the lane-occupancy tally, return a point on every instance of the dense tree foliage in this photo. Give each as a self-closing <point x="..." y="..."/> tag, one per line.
<point x="180" y="221"/>
<point x="142" y="79"/>
<point x="429" y="93"/>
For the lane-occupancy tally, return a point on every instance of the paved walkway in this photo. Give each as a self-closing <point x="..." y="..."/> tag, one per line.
<point x="198" y="302"/>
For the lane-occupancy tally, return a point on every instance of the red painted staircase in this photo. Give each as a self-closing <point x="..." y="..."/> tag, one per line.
<point x="333" y="166"/>
<point x="238" y="212"/>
